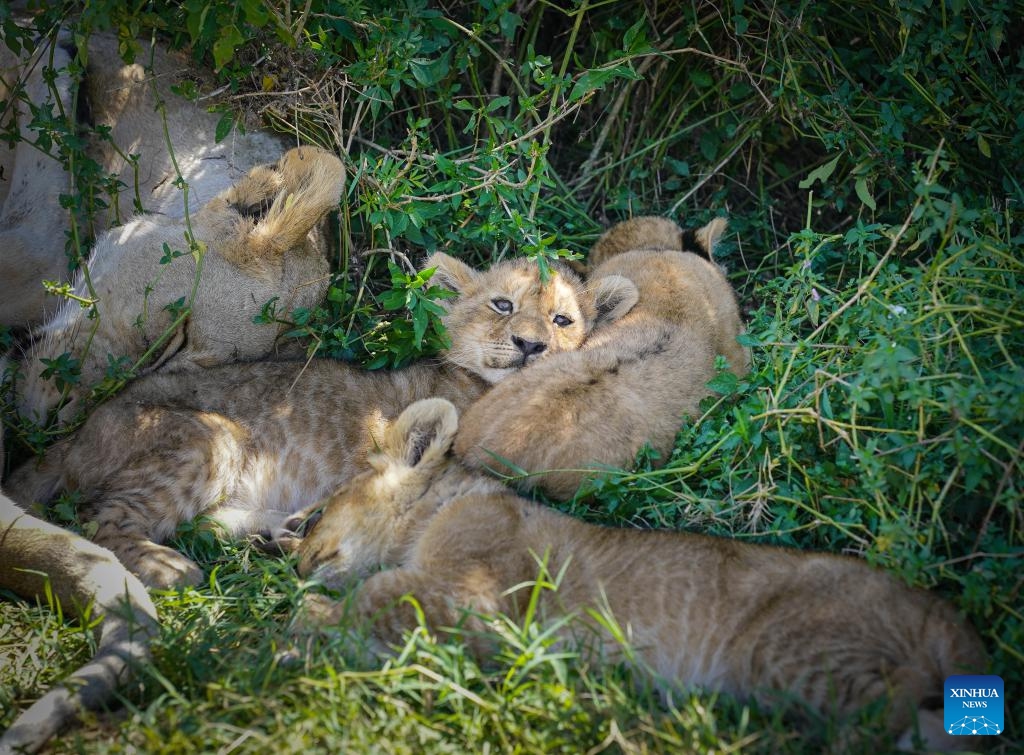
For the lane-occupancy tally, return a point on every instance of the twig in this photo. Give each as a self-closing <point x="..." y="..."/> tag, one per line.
<point x="1004" y="480"/>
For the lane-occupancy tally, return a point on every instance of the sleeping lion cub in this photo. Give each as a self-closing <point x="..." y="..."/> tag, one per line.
<point x="248" y="444"/>
<point x="633" y="382"/>
<point x="699" y="611"/>
<point x="200" y="239"/>
<point x="263" y="239"/>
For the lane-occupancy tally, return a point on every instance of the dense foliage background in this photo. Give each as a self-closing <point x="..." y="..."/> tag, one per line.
<point x="869" y="155"/>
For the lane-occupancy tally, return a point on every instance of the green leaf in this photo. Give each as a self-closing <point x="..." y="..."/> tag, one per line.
<point x="195" y="23"/>
<point x="709" y="143"/>
<point x="596" y="79"/>
<point x="444" y="165"/>
<point x="224" y="125"/>
<point x="724" y="382"/>
<point x="983" y="146"/>
<point x="821" y="173"/>
<point x="701" y="79"/>
<point x="420" y="320"/>
<point x="497" y="103"/>
<point x="429" y="72"/>
<point x="861" y="187"/>
<point x="255" y="13"/>
<point x="224" y="48"/>
<point x="509" y="22"/>
<point x="394" y="299"/>
<point x="635" y="38"/>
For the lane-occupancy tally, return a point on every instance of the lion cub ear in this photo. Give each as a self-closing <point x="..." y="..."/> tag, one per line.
<point x="707" y="236"/>
<point x="450" y="273"/>
<point x="422" y="434"/>
<point x="614" y="296"/>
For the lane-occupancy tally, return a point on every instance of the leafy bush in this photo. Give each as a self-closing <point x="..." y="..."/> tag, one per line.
<point x="869" y="155"/>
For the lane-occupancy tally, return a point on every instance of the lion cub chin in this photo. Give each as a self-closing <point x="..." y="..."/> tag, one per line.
<point x="633" y="382"/>
<point x="749" y="620"/>
<point x="246" y="445"/>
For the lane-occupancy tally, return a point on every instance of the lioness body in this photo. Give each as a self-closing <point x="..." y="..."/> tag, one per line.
<point x="632" y="383"/>
<point x="698" y="611"/>
<point x="122" y="98"/>
<point x="206" y="233"/>
<point x="260" y="241"/>
<point x="247" y="445"/>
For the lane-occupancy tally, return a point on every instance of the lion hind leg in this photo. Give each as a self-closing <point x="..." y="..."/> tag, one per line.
<point x="124" y="526"/>
<point x="158" y="566"/>
<point x="313" y="182"/>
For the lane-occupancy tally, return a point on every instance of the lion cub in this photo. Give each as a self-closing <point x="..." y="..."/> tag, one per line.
<point x="633" y="382"/>
<point x="698" y="611"/>
<point x="133" y="112"/>
<point x="262" y="239"/>
<point x="248" y="444"/>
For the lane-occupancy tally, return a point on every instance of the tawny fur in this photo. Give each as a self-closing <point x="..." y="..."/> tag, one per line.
<point x="123" y="98"/>
<point x="633" y="382"/>
<point x="745" y="619"/>
<point x="261" y="239"/>
<point x="35" y="554"/>
<point x="247" y="445"/>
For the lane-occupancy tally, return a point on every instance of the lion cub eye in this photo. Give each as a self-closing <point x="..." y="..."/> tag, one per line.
<point x="504" y="306"/>
<point x="562" y="321"/>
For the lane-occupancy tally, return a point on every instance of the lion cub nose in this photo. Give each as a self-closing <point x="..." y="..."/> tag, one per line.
<point x="528" y="348"/>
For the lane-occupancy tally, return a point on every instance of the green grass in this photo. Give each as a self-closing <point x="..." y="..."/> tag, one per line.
<point x="869" y="155"/>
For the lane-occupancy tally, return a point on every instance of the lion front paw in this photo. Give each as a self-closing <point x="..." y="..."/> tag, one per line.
<point x="318" y="614"/>
<point x="160" y="567"/>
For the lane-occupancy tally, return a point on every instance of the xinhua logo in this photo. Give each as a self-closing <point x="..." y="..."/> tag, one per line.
<point x="974" y="705"/>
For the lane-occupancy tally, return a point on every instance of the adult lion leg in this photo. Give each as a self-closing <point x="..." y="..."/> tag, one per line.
<point x="35" y="554"/>
<point x="31" y="236"/>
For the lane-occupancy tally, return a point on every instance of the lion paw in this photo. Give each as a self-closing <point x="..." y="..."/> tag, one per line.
<point x="160" y="567"/>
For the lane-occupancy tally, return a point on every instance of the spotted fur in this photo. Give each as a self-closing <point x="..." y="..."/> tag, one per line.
<point x="247" y="445"/>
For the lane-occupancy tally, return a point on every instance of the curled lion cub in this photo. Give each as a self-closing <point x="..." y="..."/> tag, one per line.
<point x="261" y="239"/>
<point x="247" y="445"/>
<point x="749" y="620"/>
<point x="128" y="143"/>
<point x="633" y="382"/>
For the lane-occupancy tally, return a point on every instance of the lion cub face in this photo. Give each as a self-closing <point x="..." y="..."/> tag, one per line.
<point x="364" y="523"/>
<point x="507" y="317"/>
